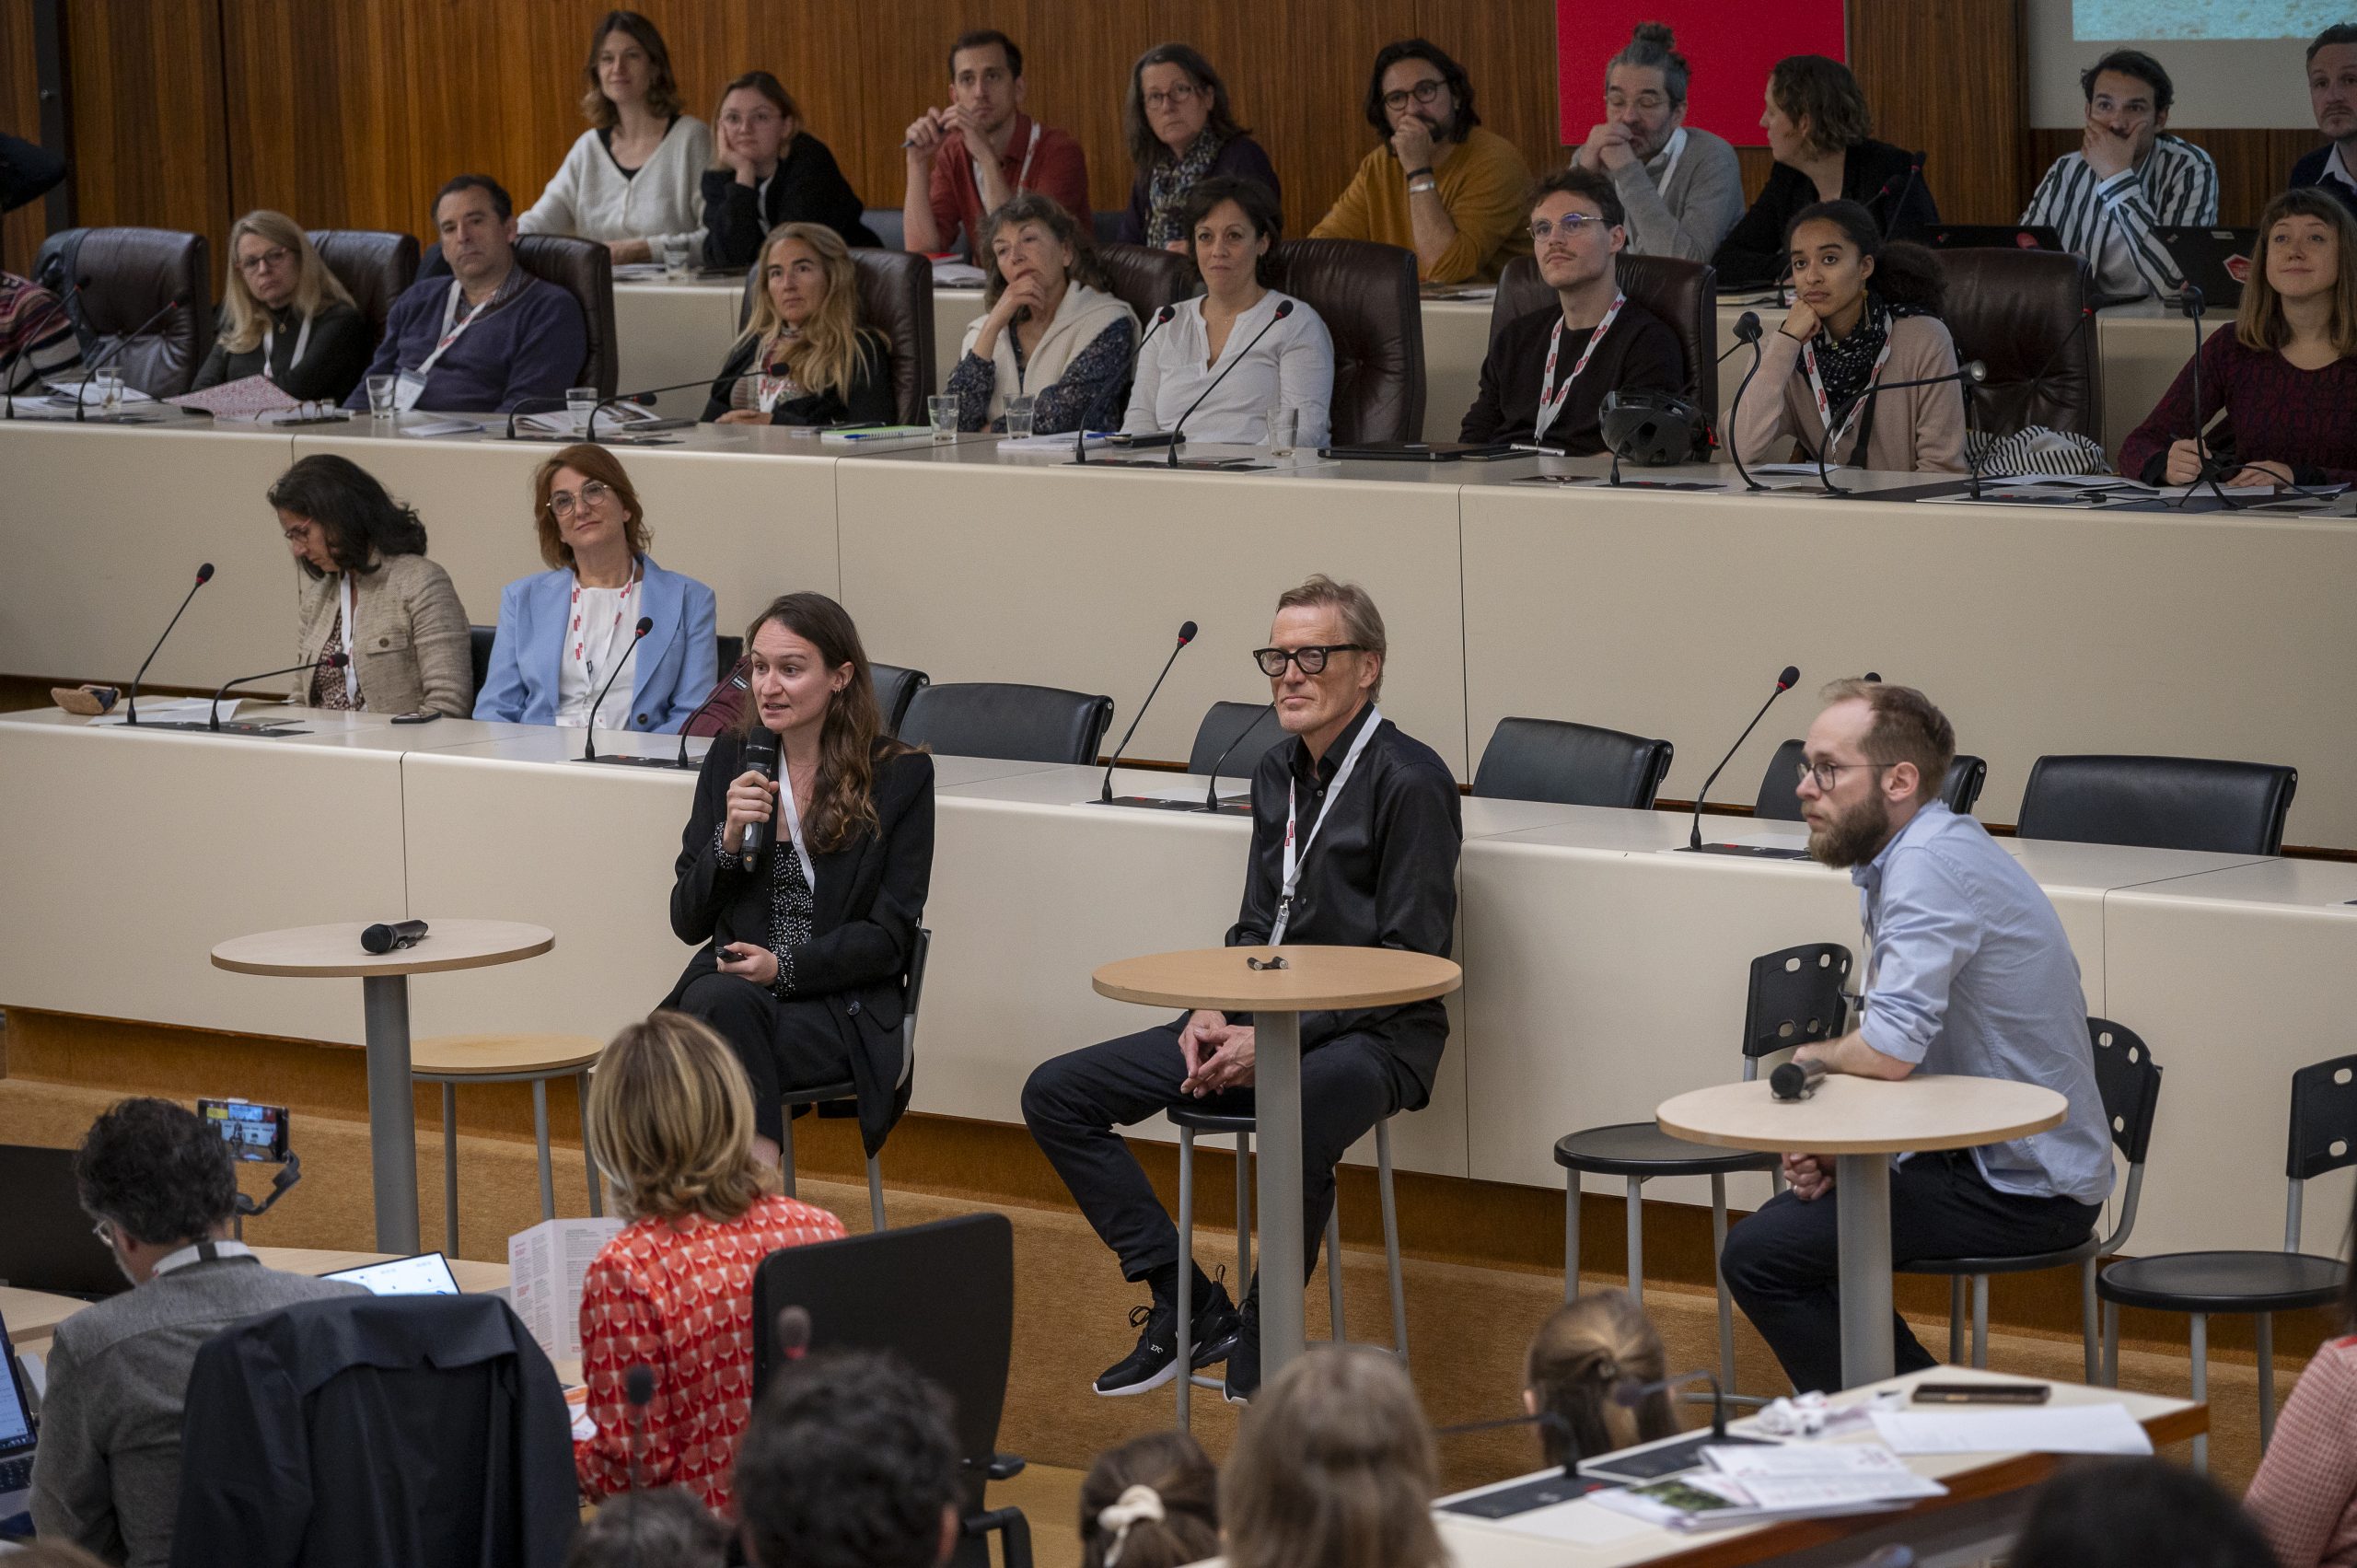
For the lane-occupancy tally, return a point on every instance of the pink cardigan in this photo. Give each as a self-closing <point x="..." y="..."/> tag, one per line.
<point x="2304" y="1495"/>
<point x="1920" y="430"/>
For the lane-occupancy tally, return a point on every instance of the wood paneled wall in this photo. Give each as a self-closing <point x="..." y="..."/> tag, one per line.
<point x="348" y="113"/>
<point x="20" y="232"/>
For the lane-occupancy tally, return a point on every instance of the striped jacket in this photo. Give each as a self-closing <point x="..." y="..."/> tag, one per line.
<point x="2111" y="222"/>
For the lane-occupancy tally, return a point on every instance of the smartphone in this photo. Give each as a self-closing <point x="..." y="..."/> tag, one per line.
<point x="1983" y="1393"/>
<point x="253" y="1132"/>
<point x="423" y="715"/>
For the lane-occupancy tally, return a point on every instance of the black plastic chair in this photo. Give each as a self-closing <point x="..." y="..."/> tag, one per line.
<point x="842" y="1099"/>
<point x="1223" y="741"/>
<point x="941" y="1296"/>
<point x="1778" y="803"/>
<point x="2129" y="1082"/>
<point x="2202" y="1285"/>
<point x="895" y="689"/>
<point x="1022" y="723"/>
<point x="1796" y="997"/>
<point x="2160" y="802"/>
<point x="479" y="644"/>
<point x="1571" y="765"/>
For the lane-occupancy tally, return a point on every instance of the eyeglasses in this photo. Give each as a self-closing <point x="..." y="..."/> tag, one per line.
<point x="560" y="504"/>
<point x="1827" y="774"/>
<point x="1646" y="102"/>
<point x="300" y="531"/>
<point x="104" y="1231"/>
<point x="276" y="256"/>
<point x="1312" y="659"/>
<point x="1569" y="227"/>
<point x="1422" y="92"/>
<point x="1183" y="93"/>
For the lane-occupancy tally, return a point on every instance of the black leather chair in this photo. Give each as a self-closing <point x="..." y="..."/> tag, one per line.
<point x="1024" y="724"/>
<point x="941" y="1296"/>
<point x="895" y="689"/>
<point x="2159" y="802"/>
<point x="1778" y="803"/>
<point x="1684" y="294"/>
<point x="1366" y="296"/>
<point x="479" y="645"/>
<point x="1571" y="765"/>
<point x="2028" y="315"/>
<point x="114" y="279"/>
<point x="584" y="269"/>
<point x="1224" y="740"/>
<point x="895" y="298"/>
<point x="1145" y="279"/>
<point x="373" y="268"/>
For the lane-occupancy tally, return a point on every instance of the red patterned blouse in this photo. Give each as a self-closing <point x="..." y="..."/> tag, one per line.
<point x="677" y="1298"/>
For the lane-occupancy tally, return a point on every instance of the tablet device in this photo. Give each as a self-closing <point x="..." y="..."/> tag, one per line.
<point x="428" y="1273"/>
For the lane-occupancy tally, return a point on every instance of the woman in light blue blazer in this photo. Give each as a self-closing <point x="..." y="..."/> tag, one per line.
<point x="563" y="631"/>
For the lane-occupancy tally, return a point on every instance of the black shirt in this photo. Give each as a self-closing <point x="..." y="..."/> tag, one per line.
<point x="1640" y="354"/>
<point x="333" y="361"/>
<point x="1381" y="874"/>
<point x="806" y="187"/>
<point x="871" y="397"/>
<point x="1874" y="173"/>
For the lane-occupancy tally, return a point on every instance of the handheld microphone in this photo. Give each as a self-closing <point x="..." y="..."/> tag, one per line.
<point x="1890" y="215"/>
<point x="589" y="730"/>
<point x="82" y="393"/>
<point x="1284" y="308"/>
<point x="638" y="1389"/>
<point x="1104" y="794"/>
<point x="1747" y="331"/>
<point x="336" y="659"/>
<point x="761" y="757"/>
<point x="131" y="708"/>
<point x="1796" y="1080"/>
<point x="793" y="1332"/>
<point x="1161" y="319"/>
<point x="1972" y="372"/>
<point x="1211" y="790"/>
<point x="1628" y="1393"/>
<point x="396" y="934"/>
<point x="738" y="680"/>
<point x="1784" y="682"/>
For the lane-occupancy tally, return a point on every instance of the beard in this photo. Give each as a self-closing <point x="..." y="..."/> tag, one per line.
<point x="1853" y="838"/>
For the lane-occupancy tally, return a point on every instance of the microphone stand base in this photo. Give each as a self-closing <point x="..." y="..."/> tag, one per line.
<point x="272" y="728"/>
<point x="619" y="761"/>
<point x="1151" y="803"/>
<point x="1746" y="851"/>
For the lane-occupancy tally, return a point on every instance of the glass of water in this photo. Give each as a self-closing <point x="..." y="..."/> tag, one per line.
<point x="108" y="386"/>
<point x="580" y="403"/>
<point x="1285" y="428"/>
<point x="380" y="396"/>
<point x="675" y="258"/>
<point x="1020" y="412"/>
<point x="941" y="410"/>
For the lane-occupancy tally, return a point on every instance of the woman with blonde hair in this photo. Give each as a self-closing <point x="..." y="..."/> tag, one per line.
<point x="803" y="357"/>
<point x="1583" y="1352"/>
<point x="635" y="178"/>
<point x="1333" y="1468"/>
<point x="670" y="1126"/>
<point x="286" y="317"/>
<point x="766" y="170"/>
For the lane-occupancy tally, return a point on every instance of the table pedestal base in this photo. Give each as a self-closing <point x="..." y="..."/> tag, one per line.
<point x="392" y="1115"/>
<point x="1862" y="1215"/>
<point x="1276" y="1113"/>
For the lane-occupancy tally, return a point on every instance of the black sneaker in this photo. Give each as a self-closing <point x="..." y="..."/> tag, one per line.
<point x="1156" y="1360"/>
<point x="1244" y="1360"/>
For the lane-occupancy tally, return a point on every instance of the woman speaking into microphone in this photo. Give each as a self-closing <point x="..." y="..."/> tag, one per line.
<point x="803" y="873"/>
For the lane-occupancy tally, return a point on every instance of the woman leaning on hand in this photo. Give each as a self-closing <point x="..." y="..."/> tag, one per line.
<point x="816" y="364"/>
<point x="806" y="943"/>
<point x="767" y="170"/>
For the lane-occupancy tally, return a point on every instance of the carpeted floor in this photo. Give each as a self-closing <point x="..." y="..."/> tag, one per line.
<point x="1469" y="1325"/>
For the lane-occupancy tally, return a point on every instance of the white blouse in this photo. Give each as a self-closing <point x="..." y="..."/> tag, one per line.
<point x="603" y="625"/>
<point x="591" y="197"/>
<point x="1292" y="367"/>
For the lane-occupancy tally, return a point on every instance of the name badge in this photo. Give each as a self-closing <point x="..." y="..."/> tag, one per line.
<point x="408" y="389"/>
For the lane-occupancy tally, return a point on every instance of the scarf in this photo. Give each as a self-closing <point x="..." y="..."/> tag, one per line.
<point x="1844" y="363"/>
<point x="1168" y="186"/>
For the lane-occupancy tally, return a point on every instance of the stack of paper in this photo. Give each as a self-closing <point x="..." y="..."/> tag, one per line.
<point x="2049" y="1429"/>
<point x="616" y="415"/>
<point x="1749" y="1484"/>
<point x="545" y="1265"/>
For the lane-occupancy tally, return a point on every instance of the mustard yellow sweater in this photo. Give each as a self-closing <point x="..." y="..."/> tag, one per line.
<point x="1483" y="184"/>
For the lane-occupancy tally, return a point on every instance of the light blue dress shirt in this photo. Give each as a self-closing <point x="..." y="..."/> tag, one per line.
<point x="1968" y="971"/>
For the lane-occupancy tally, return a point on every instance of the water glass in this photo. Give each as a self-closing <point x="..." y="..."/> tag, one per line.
<point x="380" y="396"/>
<point x="580" y="403"/>
<point x="675" y="259"/>
<point x="942" y="412"/>
<point x="1020" y="412"/>
<point x="108" y="385"/>
<point x="1284" y="430"/>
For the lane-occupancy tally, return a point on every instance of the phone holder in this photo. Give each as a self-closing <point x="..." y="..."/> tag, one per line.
<point x="289" y="1175"/>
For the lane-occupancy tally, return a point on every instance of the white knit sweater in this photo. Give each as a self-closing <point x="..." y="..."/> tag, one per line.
<point x="592" y="198"/>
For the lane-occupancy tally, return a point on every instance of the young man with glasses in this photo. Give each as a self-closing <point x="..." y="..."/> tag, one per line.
<point x="1966" y="971"/>
<point x="159" y="1182"/>
<point x="1439" y="185"/>
<point x="1681" y="185"/>
<point x="1354" y="840"/>
<point x="1546" y="375"/>
<point x="2126" y="179"/>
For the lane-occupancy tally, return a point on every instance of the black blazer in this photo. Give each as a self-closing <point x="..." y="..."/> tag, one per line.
<point x="869" y="902"/>
<point x="807" y="188"/>
<point x="333" y="361"/>
<point x="1874" y="174"/>
<point x="871" y="399"/>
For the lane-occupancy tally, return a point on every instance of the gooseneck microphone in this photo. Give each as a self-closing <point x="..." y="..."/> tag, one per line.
<point x="131" y="707"/>
<point x="1284" y="308"/>
<point x="1971" y="373"/>
<point x="1210" y="789"/>
<point x="1747" y="331"/>
<point x="589" y="427"/>
<point x="761" y="757"/>
<point x="82" y="393"/>
<point x="1914" y="172"/>
<point x="589" y="730"/>
<point x="336" y="659"/>
<point x="1784" y="682"/>
<point x="1628" y="1393"/>
<point x="638" y="1390"/>
<point x="1796" y="1080"/>
<point x="2191" y="300"/>
<point x="386" y="937"/>
<point x="1104" y="794"/>
<point x="1161" y="319"/>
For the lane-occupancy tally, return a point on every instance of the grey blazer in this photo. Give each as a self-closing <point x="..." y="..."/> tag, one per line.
<point x="408" y="635"/>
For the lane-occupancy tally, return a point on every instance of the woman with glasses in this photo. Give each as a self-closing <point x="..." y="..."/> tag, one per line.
<point x="570" y="633"/>
<point x="364" y="590"/>
<point x="767" y="170"/>
<point x="1180" y="131"/>
<point x="285" y="317"/>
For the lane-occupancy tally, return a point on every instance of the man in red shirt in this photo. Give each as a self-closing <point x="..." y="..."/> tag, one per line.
<point x="970" y="159"/>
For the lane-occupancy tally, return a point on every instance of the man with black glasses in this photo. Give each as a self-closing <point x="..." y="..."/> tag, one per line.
<point x="1354" y="839"/>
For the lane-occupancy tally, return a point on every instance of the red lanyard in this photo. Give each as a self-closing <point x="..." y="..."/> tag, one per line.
<point x="1552" y="404"/>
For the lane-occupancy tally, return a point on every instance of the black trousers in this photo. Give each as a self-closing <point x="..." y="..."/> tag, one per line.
<point x="796" y="1044"/>
<point x="1783" y="1263"/>
<point x="1074" y="1102"/>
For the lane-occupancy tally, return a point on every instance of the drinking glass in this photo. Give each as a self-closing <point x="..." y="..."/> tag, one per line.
<point x="1020" y="412"/>
<point x="1285" y="428"/>
<point x="941" y="411"/>
<point x="380" y="396"/>
<point x="580" y="403"/>
<point x="109" y="385"/>
<point x="675" y="259"/>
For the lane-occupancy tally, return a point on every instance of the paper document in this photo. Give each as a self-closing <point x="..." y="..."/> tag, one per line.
<point x="545" y="1265"/>
<point x="442" y="428"/>
<point x="179" y="710"/>
<point x="950" y="273"/>
<point x="640" y="271"/>
<point x="65" y="387"/>
<point x="1050" y="443"/>
<point x="243" y="399"/>
<point x="2055" y="1429"/>
<point x="2062" y="480"/>
<point x="1812" y="1475"/>
<point x="615" y="414"/>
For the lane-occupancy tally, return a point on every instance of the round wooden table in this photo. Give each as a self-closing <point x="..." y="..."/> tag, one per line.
<point x="1313" y="980"/>
<point x="320" y="952"/>
<point x="1862" y="1122"/>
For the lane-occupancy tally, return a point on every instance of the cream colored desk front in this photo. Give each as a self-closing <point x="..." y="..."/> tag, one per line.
<point x="2144" y="346"/>
<point x="669" y="332"/>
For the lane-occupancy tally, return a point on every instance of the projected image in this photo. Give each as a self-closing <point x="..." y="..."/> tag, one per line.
<point x="2152" y="19"/>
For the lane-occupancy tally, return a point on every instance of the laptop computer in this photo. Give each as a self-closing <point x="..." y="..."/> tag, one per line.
<point x="47" y="1244"/>
<point x="2215" y="261"/>
<point x="1992" y="236"/>
<point x="16" y="1445"/>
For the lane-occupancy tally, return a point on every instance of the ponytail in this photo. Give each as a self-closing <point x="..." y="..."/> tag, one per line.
<point x="1582" y="1352"/>
<point x="1151" y="1503"/>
